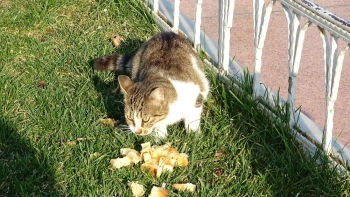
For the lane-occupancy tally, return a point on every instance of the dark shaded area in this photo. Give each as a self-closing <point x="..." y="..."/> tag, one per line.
<point x="111" y="95"/>
<point x="23" y="169"/>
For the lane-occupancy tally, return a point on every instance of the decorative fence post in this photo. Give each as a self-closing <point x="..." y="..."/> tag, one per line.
<point x="176" y="16"/>
<point x="226" y="8"/>
<point x="332" y="63"/>
<point x="197" y="30"/>
<point x="261" y="23"/>
<point x="295" y="46"/>
<point x="155" y="6"/>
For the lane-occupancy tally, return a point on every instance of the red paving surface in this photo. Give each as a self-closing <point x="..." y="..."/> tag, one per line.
<point x="310" y="85"/>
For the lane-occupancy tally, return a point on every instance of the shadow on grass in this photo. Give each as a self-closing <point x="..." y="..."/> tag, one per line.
<point x="23" y="169"/>
<point x="111" y="95"/>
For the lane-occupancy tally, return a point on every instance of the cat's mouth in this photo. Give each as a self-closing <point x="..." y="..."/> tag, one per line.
<point x="142" y="132"/>
<point x="139" y="131"/>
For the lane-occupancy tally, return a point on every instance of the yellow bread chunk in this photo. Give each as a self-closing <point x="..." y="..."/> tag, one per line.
<point x="153" y="169"/>
<point x="186" y="186"/>
<point x="157" y="159"/>
<point x="137" y="189"/>
<point x="131" y="156"/>
<point x="163" y="158"/>
<point x="158" y="192"/>
<point x="121" y="162"/>
<point x="134" y="155"/>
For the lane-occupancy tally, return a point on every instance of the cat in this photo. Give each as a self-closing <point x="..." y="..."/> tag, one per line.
<point x="167" y="84"/>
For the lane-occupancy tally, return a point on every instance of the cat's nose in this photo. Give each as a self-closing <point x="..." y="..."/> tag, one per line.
<point x="138" y="131"/>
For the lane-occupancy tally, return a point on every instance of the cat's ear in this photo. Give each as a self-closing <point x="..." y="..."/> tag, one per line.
<point x="157" y="94"/>
<point x="125" y="83"/>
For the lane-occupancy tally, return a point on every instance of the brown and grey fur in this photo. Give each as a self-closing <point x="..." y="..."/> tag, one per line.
<point x="161" y="71"/>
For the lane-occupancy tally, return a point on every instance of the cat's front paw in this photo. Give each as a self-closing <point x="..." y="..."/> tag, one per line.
<point x="192" y="120"/>
<point x="160" y="132"/>
<point x="193" y="126"/>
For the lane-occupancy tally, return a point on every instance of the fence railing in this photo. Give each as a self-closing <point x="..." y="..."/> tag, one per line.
<point x="309" y="134"/>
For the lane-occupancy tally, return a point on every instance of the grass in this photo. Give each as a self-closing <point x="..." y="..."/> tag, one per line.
<point x="51" y="101"/>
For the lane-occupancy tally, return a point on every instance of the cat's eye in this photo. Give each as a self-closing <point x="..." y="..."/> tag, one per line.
<point x="145" y="119"/>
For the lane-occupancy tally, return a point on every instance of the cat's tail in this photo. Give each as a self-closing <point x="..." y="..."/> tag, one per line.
<point x="114" y="62"/>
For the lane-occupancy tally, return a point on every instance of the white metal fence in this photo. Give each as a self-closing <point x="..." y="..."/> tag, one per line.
<point x="327" y="23"/>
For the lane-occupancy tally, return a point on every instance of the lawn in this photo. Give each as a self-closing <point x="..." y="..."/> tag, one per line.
<point x="51" y="140"/>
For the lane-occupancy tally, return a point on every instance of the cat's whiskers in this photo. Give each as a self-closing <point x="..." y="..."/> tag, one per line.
<point x="120" y="102"/>
<point x="124" y="127"/>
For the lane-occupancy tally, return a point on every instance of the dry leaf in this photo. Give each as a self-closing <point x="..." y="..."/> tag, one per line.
<point x="71" y="143"/>
<point x="219" y="171"/>
<point x="95" y="155"/>
<point x="42" y="84"/>
<point x="107" y="121"/>
<point x="220" y="153"/>
<point x="116" y="40"/>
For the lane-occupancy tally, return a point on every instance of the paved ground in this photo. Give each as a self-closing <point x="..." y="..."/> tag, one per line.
<point x="310" y="87"/>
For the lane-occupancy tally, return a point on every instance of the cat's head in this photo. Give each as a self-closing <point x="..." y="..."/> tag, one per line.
<point x="144" y="106"/>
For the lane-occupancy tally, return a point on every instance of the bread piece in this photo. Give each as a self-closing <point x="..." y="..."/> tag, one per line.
<point x="134" y="155"/>
<point x="136" y="189"/>
<point x="126" y="151"/>
<point x="146" y="156"/>
<point x="181" y="159"/>
<point x="121" y="162"/>
<point x="153" y="168"/>
<point x="186" y="186"/>
<point x="166" y="164"/>
<point x="158" y="192"/>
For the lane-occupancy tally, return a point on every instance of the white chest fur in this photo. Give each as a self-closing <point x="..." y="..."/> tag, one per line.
<point x="187" y="94"/>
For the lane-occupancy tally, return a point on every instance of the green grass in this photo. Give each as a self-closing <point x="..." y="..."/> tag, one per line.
<point x="56" y="41"/>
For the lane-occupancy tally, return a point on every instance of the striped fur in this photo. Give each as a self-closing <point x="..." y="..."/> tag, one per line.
<point x="115" y="62"/>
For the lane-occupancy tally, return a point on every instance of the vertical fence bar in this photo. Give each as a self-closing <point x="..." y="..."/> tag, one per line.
<point x="176" y="16"/>
<point x="198" y="20"/>
<point x="337" y="68"/>
<point x="155" y="6"/>
<point x="293" y="33"/>
<point x="227" y="27"/>
<point x="261" y="23"/>
<point x="258" y="6"/>
<point x="326" y="57"/>
<point x="221" y="34"/>
<point x="226" y="8"/>
<point x="331" y="64"/>
<point x="295" y="45"/>
<point x="299" y="48"/>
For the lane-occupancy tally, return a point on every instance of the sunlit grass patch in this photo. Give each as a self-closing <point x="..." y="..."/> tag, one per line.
<point x="51" y="102"/>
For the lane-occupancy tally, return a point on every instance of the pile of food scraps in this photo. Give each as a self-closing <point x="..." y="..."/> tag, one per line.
<point x="156" y="159"/>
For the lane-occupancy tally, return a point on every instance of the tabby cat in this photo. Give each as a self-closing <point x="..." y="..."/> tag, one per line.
<point x="167" y="84"/>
